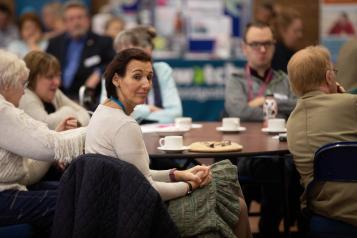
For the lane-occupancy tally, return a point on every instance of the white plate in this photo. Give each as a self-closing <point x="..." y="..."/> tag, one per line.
<point x="220" y="128"/>
<point x="171" y="131"/>
<point x="269" y="130"/>
<point x="172" y="150"/>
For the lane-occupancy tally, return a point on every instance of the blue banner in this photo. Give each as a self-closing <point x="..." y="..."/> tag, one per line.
<point x="23" y="6"/>
<point x="201" y="85"/>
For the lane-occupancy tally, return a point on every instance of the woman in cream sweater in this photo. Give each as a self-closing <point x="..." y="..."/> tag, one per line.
<point x="43" y="100"/>
<point x="113" y="132"/>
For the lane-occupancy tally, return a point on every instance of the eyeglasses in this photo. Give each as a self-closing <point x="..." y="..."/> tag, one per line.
<point x="255" y="45"/>
<point x="25" y="83"/>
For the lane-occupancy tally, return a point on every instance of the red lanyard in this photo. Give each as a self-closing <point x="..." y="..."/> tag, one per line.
<point x="262" y="88"/>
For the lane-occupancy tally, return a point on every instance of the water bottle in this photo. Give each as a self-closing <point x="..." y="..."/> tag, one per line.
<point x="270" y="109"/>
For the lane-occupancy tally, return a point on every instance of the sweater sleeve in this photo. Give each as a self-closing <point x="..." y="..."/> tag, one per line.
<point x="129" y="146"/>
<point x="236" y="101"/>
<point x="161" y="175"/>
<point x="141" y="112"/>
<point x="33" y="106"/>
<point x="34" y="171"/>
<point x="26" y="137"/>
<point x="171" y="101"/>
<point x="79" y="112"/>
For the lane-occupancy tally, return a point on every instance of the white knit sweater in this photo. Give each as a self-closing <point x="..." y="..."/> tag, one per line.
<point x="22" y="137"/>
<point x="65" y="107"/>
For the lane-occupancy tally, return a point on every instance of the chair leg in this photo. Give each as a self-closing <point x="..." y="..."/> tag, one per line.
<point x="285" y="177"/>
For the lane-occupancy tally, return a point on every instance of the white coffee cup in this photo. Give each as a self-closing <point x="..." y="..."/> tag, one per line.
<point x="277" y="124"/>
<point x="171" y="142"/>
<point x="183" y="122"/>
<point x="231" y="123"/>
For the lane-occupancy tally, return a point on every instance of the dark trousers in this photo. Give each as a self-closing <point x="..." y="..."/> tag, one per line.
<point x="35" y="207"/>
<point x="269" y="191"/>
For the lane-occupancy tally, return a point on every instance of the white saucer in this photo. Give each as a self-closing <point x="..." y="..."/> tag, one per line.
<point x="222" y="129"/>
<point x="193" y="126"/>
<point x="269" y="130"/>
<point x="162" y="148"/>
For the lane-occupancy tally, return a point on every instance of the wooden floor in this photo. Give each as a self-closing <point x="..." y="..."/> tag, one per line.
<point x="254" y="221"/>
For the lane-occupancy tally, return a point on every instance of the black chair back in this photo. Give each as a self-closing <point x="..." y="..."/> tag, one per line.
<point x="333" y="162"/>
<point x="336" y="162"/>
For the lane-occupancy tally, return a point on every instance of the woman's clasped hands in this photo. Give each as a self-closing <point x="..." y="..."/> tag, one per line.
<point x="198" y="176"/>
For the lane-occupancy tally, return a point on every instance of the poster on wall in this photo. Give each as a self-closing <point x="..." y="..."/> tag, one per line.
<point x="338" y="23"/>
<point x="214" y="25"/>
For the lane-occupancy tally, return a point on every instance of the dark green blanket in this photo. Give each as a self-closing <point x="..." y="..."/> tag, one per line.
<point x="213" y="210"/>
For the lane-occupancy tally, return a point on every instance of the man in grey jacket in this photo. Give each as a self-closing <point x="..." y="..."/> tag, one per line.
<point x="244" y="98"/>
<point x="246" y="91"/>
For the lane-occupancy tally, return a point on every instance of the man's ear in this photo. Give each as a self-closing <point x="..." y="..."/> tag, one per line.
<point x="329" y="77"/>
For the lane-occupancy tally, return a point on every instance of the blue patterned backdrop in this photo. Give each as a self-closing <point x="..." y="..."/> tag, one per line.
<point x="23" y="6"/>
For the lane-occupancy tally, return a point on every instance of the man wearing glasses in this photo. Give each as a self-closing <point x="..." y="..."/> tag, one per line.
<point x="244" y="98"/>
<point x="324" y="114"/>
<point x="246" y="91"/>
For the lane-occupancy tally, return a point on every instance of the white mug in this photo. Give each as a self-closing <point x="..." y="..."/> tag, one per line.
<point x="183" y="122"/>
<point x="277" y="124"/>
<point x="171" y="142"/>
<point x="231" y="123"/>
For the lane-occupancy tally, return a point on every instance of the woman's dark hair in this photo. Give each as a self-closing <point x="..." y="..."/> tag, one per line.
<point x="119" y="65"/>
<point x="30" y="16"/>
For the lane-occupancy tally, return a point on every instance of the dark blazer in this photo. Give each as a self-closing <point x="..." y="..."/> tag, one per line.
<point x="97" y="53"/>
<point x="281" y="57"/>
<point x="100" y="196"/>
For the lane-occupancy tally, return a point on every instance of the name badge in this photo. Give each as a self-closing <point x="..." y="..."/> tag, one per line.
<point x="280" y="96"/>
<point x="91" y="61"/>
